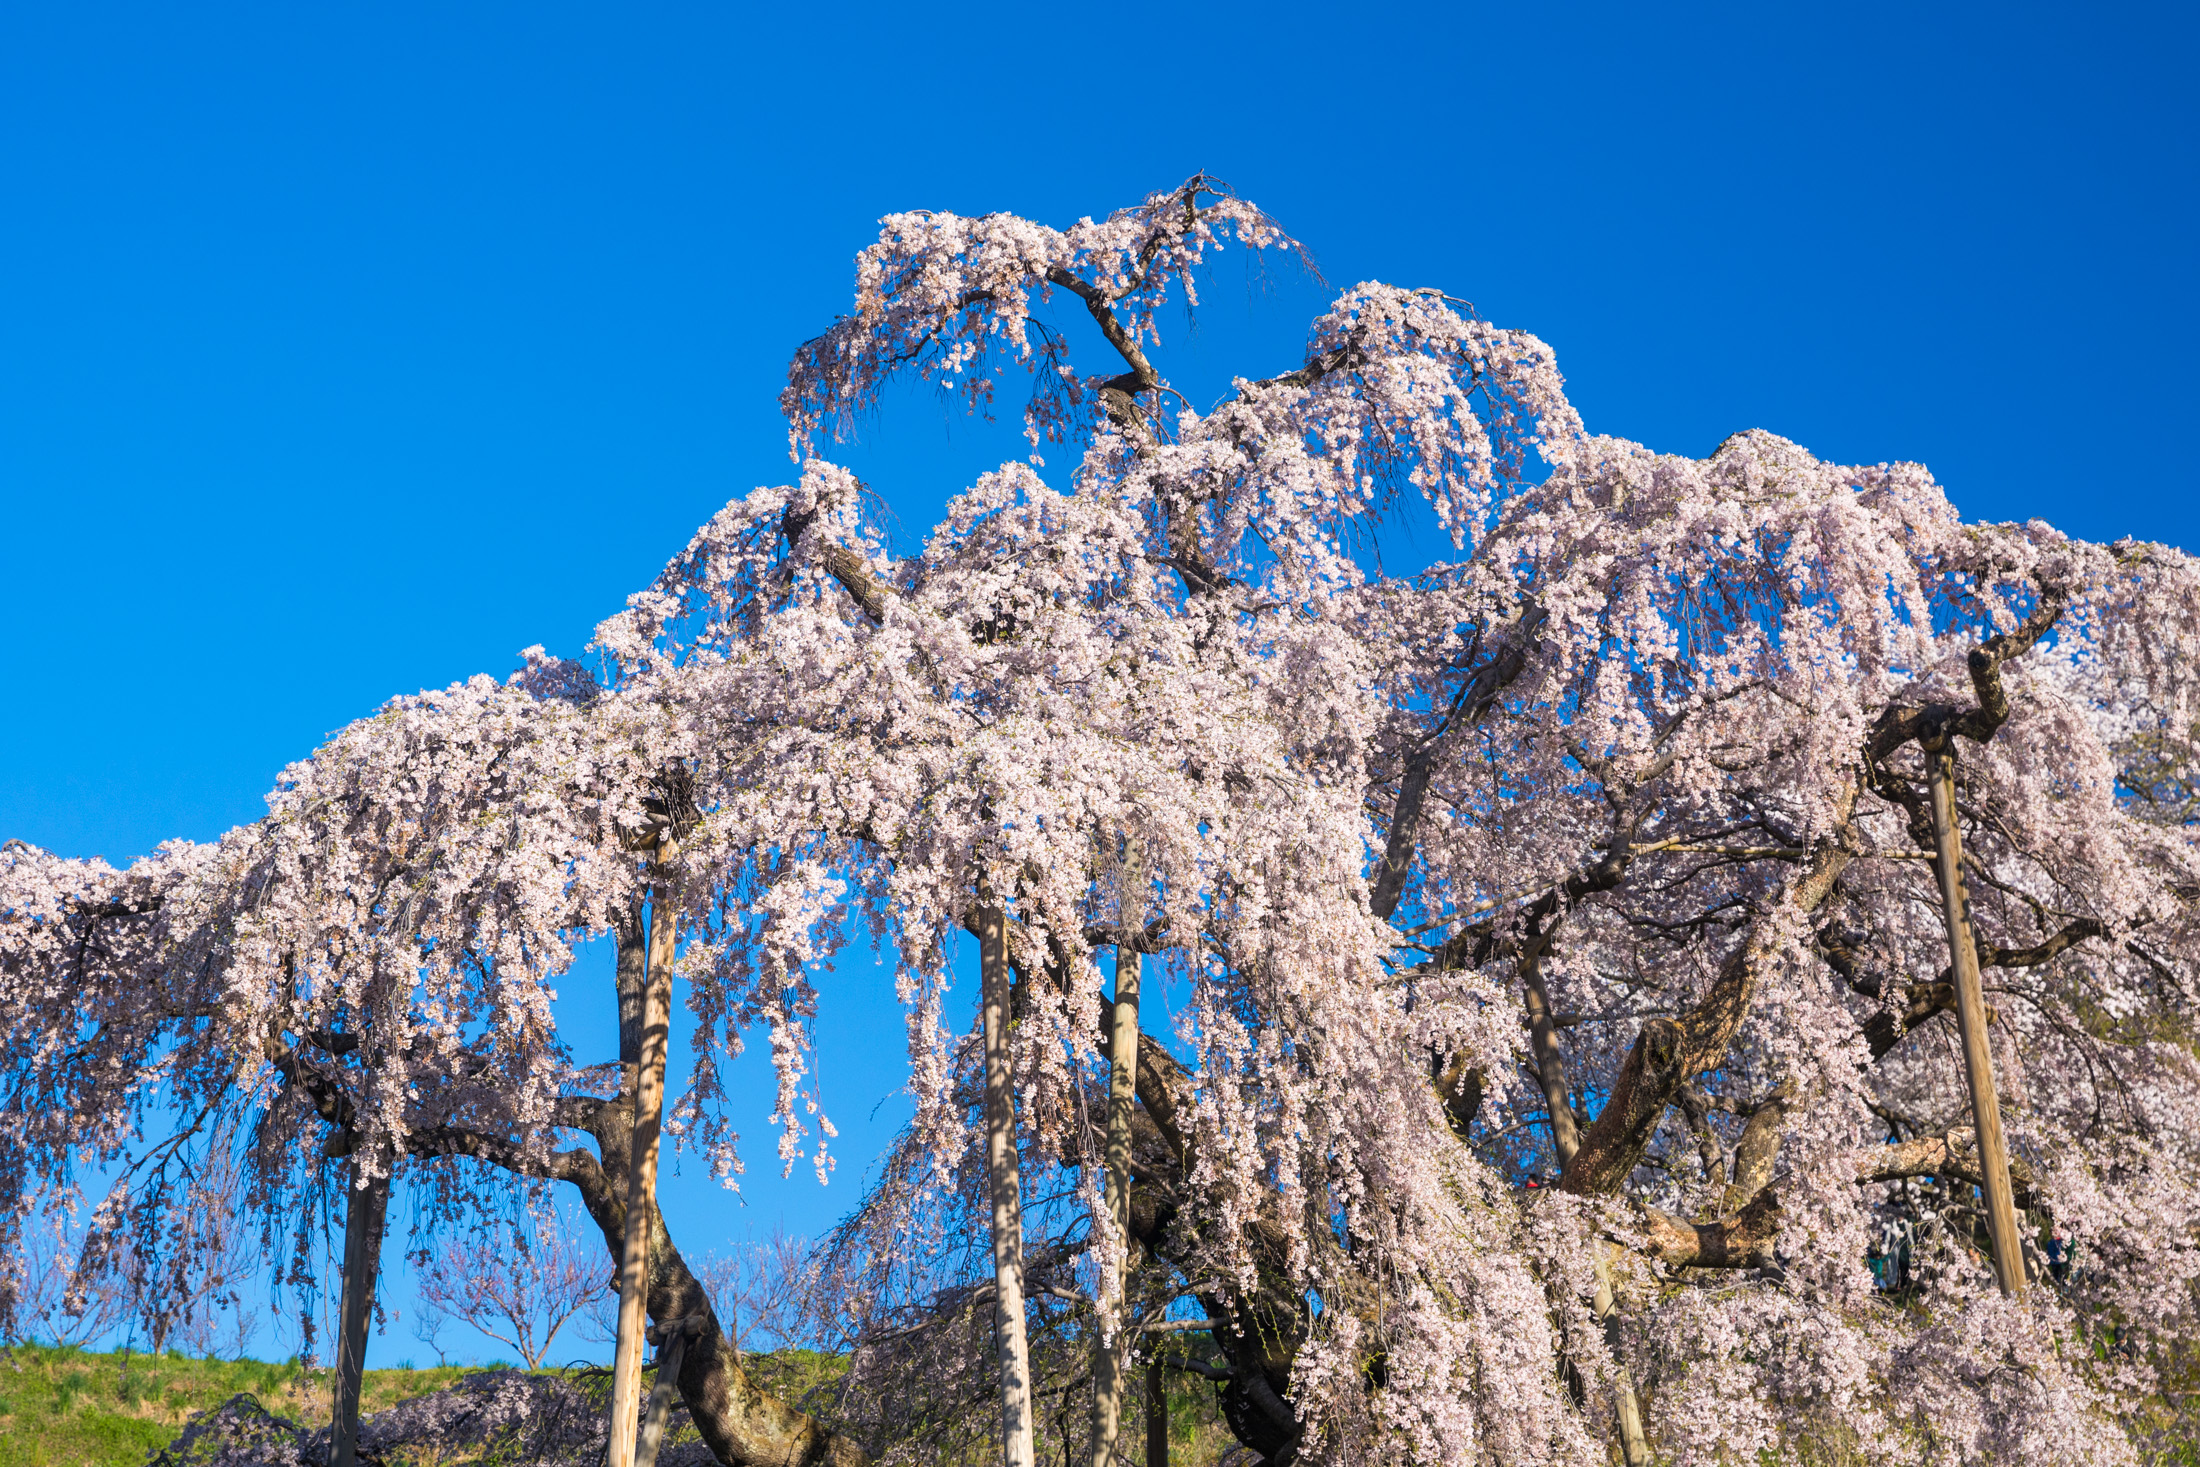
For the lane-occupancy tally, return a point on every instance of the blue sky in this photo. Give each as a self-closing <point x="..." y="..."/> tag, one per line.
<point x="346" y="350"/>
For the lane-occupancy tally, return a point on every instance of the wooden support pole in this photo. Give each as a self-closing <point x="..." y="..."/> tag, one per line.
<point x="641" y="1188"/>
<point x="1978" y="1058"/>
<point x="364" y="1207"/>
<point x="1005" y="1173"/>
<point x="1110" y="1344"/>
<point x="670" y="1356"/>
<point x="1634" y="1446"/>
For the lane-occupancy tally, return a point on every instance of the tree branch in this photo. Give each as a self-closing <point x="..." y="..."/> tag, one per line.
<point x="1477" y="693"/>
<point x="1934" y="721"/>
<point x="1743" y="1240"/>
<point x="1668" y="1051"/>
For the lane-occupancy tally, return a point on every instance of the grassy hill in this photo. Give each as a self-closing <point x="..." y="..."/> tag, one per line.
<point x="75" y="1408"/>
<point x="71" y="1408"/>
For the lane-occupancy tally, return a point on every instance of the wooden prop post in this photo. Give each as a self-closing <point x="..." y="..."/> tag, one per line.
<point x="1006" y="1176"/>
<point x="670" y="1356"/>
<point x="364" y="1207"/>
<point x="641" y="1186"/>
<point x="1978" y="1059"/>
<point x="1108" y="1349"/>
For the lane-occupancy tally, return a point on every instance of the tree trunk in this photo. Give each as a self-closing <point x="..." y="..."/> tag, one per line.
<point x="1157" y="1414"/>
<point x="1978" y="1059"/>
<point x="742" y="1424"/>
<point x="1108" y="1350"/>
<point x="1008" y="1215"/>
<point x="641" y="1188"/>
<point x="1550" y="1067"/>
<point x="1549" y="1063"/>
<point x="364" y="1207"/>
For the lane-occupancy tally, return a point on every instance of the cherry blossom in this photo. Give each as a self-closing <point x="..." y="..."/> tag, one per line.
<point x="1563" y="1010"/>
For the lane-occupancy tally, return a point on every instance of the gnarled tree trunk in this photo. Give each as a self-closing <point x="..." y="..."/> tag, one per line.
<point x="364" y="1208"/>
<point x="648" y="1090"/>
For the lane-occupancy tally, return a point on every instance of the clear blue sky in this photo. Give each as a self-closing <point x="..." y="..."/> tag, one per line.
<point x="347" y="349"/>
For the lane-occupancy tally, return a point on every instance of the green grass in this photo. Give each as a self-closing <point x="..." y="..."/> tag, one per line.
<point x="792" y="1374"/>
<point x="70" y="1408"/>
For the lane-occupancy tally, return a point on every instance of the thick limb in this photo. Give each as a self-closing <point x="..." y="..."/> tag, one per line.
<point x="1550" y="1066"/>
<point x="1745" y="1237"/>
<point x="744" y="1425"/>
<point x="1669" y="1051"/>
<point x="1923" y="1001"/>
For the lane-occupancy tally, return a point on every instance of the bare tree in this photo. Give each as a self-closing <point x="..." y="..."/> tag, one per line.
<point x="518" y="1286"/>
<point x="764" y="1291"/>
<point x="48" y="1301"/>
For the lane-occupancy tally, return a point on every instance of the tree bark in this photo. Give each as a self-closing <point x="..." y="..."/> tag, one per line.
<point x="1006" y="1177"/>
<point x="1744" y="1239"/>
<point x="1550" y="1067"/>
<point x="1978" y="1058"/>
<point x="1759" y="1148"/>
<point x="742" y="1424"/>
<point x="641" y="1188"/>
<point x="364" y="1207"/>
<point x="1109" y="1348"/>
<point x="1157" y="1414"/>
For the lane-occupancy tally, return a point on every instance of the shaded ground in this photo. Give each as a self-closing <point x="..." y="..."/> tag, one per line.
<point x="72" y="1408"/>
<point x="508" y="1417"/>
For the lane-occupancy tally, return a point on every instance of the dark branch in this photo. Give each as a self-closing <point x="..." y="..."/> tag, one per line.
<point x="1477" y="693"/>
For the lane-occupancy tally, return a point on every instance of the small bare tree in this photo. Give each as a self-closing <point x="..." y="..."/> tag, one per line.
<point x="519" y="1286"/>
<point x="219" y="1320"/>
<point x="216" y="1259"/>
<point x="764" y="1290"/>
<point x="48" y="1301"/>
